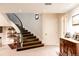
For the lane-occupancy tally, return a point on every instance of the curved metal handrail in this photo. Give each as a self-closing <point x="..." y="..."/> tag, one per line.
<point x="9" y="16"/>
<point x="18" y="19"/>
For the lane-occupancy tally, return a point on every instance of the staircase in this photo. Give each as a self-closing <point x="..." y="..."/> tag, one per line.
<point x="28" y="40"/>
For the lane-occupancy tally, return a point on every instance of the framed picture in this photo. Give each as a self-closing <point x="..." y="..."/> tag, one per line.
<point x="75" y="19"/>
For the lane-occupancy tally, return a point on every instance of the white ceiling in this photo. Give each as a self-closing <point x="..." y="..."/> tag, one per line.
<point x="37" y="7"/>
<point x="59" y="7"/>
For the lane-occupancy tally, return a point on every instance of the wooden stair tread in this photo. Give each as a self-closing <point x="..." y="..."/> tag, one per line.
<point x="33" y="42"/>
<point x="30" y="40"/>
<point x="32" y="45"/>
<point x="29" y="37"/>
<point x="25" y="32"/>
<point x="28" y="47"/>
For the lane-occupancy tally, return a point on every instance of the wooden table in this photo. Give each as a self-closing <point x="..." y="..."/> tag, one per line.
<point x="69" y="47"/>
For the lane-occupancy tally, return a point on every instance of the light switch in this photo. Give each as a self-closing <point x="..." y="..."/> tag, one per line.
<point x="45" y="34"/>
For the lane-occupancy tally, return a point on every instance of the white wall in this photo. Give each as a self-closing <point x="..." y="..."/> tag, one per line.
<point x="62" y="24"/>
<point x="32" y="25"/>
<point x="3" y="21"/>
<point x="71" y="13"/>
<point x="68" y="17"/>
<point x="50" y="29"/>
<point x="46" y="28"/>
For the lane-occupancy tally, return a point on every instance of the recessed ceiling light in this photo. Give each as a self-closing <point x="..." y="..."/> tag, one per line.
<point x="48" y="3"/>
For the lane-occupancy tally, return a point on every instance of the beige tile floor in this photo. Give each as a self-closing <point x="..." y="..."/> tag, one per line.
<point x="41" y="51"/>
